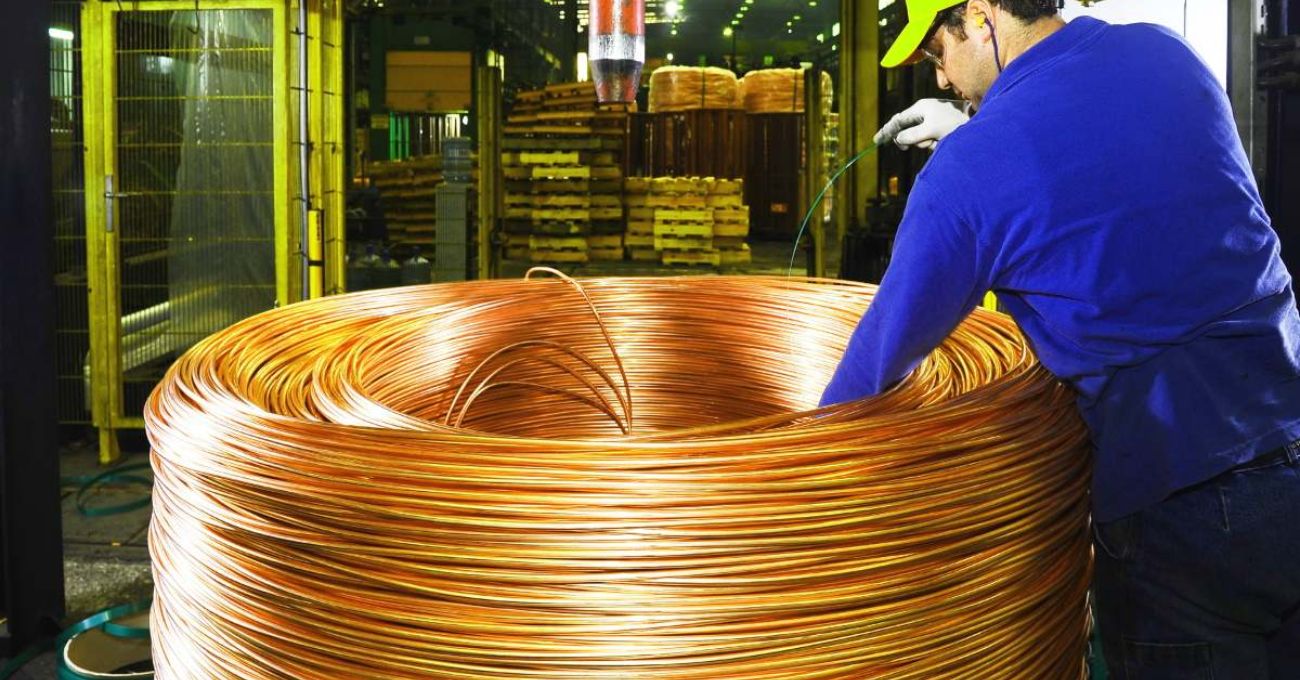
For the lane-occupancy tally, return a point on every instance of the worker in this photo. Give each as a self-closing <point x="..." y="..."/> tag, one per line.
<point x="1101" y="191"/>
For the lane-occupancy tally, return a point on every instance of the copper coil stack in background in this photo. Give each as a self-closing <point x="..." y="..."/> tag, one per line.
<point x="688" y="88"/>
<point x="781" y="90"/>
<point x="481" y="481"/>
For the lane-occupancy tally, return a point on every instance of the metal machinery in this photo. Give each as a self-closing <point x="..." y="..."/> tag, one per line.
<point x="213" y="178"/>
<point x="1264" y="83"/>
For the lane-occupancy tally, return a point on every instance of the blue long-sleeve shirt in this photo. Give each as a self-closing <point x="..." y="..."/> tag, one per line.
<point x="1103" y="193"/>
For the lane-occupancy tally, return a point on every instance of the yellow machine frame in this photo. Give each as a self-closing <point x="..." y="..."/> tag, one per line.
<point x="326" y="191"/>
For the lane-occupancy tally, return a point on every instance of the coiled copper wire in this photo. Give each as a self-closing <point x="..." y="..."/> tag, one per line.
<point x="318" y="513"/>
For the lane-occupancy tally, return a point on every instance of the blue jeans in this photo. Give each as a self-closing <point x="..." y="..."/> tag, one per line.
<point x="1206" y="584"/>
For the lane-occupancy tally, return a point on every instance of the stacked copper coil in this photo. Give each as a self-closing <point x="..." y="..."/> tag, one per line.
<point x="781" y="90"/>
<point x="483" y="481"/>
<point x="685" y="88"/>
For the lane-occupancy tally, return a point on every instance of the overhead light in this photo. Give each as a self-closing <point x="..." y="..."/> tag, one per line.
<point x="671" y="56"/>
<point x="672" y="8"/>
<point x="821" y="37"/>
<point x="835" y="30"/>
<point x="62" y="34"/>
<point x="728" y="32"/>
<point x="673" y="32"/>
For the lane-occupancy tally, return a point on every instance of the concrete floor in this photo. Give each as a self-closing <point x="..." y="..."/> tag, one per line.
<point x="106" y="559"/>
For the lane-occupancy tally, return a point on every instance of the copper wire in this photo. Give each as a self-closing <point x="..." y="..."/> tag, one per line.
<point x="319" y="514"/>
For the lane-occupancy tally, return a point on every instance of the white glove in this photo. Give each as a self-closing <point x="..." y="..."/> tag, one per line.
<point x="924" y="123"/>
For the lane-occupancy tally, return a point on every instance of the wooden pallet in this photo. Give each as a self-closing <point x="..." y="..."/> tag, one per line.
<point x="701" y="257"/>
<point x="581" y="201"/>
<point x="606" y="254"/>
<point x="560" y="144"/>
<point x="684" y="216"/>
<point x="679" y="185"/>
<point x="609" y="172"/>
<point x="726" y="201"/>
<point x="683" y="201"/>
<point x="563" y="130"/>
<point x="551" y="186"/>
<point x="605" y="241"/>
<point x="639" y="254"/>
<point x="641" y="227"/>
<point x="683" y="243"/>
<point x="726" y="186"/>
<point x="561" y="214"/>
<point x="729" y="243"/>
<point x="684" y="229"/>
<point x="560" y="228"/>
<point x="730" y="230"/>
<point x="735" y="214"/>
<point x="559" y="256"/>
<point x="557" y="242"/>
<point x="733" y="257"/>
<point x="639" y="241"/>
<point x="548" y="158"/>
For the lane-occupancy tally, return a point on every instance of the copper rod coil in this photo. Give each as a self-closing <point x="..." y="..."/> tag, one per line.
<point x="639" y="487"/>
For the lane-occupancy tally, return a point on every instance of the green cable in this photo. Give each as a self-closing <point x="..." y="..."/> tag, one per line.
<point x="103" y="618"/>
<point x="813" y="210"/>
<point x="120" y="475"/>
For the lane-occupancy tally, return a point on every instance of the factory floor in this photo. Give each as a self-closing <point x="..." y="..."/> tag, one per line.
<point x="105" y="558"/>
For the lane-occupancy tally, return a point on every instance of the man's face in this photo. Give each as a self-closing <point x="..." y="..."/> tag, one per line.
<point x="963" y="64"/>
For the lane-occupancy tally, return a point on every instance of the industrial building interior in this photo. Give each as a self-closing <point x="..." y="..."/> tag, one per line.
<point x="210" y="161"/>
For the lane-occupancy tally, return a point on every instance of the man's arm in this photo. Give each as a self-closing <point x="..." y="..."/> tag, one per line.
<point x="938" y="274"/>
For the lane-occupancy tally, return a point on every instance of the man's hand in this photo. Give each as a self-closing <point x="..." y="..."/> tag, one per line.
<point x="924" y="123"/>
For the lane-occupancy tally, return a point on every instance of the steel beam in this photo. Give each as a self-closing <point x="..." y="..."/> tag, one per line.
<point x="1249" y="104"/>
<point x="859" y="109"/>
<point x="31" y="561"/>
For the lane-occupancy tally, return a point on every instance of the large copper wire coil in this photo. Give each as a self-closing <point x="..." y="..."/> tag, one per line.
<point x="466" y="481"/>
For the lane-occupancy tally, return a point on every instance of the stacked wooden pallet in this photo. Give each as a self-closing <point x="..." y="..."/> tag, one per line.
<point x="730" y="222"/>
<point x="568" y="109"/>
<point x="408" y="198"/>
<point x="563" y="167"/>
<point x="686" y="221"/>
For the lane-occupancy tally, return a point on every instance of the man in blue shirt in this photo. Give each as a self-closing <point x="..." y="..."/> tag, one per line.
<point x="1103" y="193"/>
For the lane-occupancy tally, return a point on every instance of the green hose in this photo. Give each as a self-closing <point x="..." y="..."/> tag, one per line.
<point x="816" y="203"/>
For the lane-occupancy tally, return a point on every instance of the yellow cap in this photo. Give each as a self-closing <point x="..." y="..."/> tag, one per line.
<point x="920" y="17"/>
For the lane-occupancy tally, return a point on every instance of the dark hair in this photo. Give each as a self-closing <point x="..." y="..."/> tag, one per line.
<point x="1027" y="11"/>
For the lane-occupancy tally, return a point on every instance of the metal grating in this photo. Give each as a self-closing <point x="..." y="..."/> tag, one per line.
<point x="72" y="332"/>
<point x="194" y="145"/>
